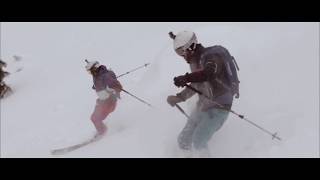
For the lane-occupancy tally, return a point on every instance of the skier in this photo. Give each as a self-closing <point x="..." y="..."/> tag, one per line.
<point x="213" y="73"/>
<point x="4" y="89"/>
<point x="108" y="89"/>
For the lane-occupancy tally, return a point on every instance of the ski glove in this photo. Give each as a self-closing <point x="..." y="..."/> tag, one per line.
<point x="173" y="100"/>
<point x="195" y="77"/>
<point x="181" y="81"/>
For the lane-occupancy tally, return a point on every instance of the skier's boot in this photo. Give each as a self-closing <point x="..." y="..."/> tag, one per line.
<point x="101" y="130"/>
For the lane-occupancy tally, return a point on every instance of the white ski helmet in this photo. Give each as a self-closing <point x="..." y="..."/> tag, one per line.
<point x="92" y="64"/>
<point x="184" y="39"/>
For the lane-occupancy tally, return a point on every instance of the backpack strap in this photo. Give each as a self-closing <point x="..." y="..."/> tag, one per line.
<point x="235" y="62"/>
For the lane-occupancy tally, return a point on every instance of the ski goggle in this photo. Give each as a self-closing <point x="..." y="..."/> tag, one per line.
<point x="182" y="51"/>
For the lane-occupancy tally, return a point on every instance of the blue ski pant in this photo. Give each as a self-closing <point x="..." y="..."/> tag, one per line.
<point x="200" y="128"/>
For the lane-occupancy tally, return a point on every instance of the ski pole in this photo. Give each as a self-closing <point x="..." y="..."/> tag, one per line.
<point x="137" y="98"/>
<point x="127" y="91"/>
<point x="145" y="65"/>
<point x="274" y="135"/>
<point x="182" y="111"/>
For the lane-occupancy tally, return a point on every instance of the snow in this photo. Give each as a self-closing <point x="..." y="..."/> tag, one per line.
<point x="53" y="99"/>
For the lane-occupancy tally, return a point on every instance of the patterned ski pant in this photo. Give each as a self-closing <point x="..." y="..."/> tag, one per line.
<point x="101" y="111"/>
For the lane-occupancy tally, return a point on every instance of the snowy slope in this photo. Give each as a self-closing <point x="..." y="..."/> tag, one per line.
<point x="53" y="100"/>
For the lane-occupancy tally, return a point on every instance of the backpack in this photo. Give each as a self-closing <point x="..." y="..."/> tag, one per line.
<point x="232" y="74"/>
<point x="231" y="66"/>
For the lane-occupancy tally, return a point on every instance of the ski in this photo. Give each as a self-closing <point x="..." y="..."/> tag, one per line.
<point x="68" y="149"/>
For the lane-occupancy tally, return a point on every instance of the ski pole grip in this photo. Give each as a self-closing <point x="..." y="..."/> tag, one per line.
<point x="86" y="61"/>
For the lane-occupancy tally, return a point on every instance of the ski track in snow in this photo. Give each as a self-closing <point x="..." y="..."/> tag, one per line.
<point x="53" y="100"/>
